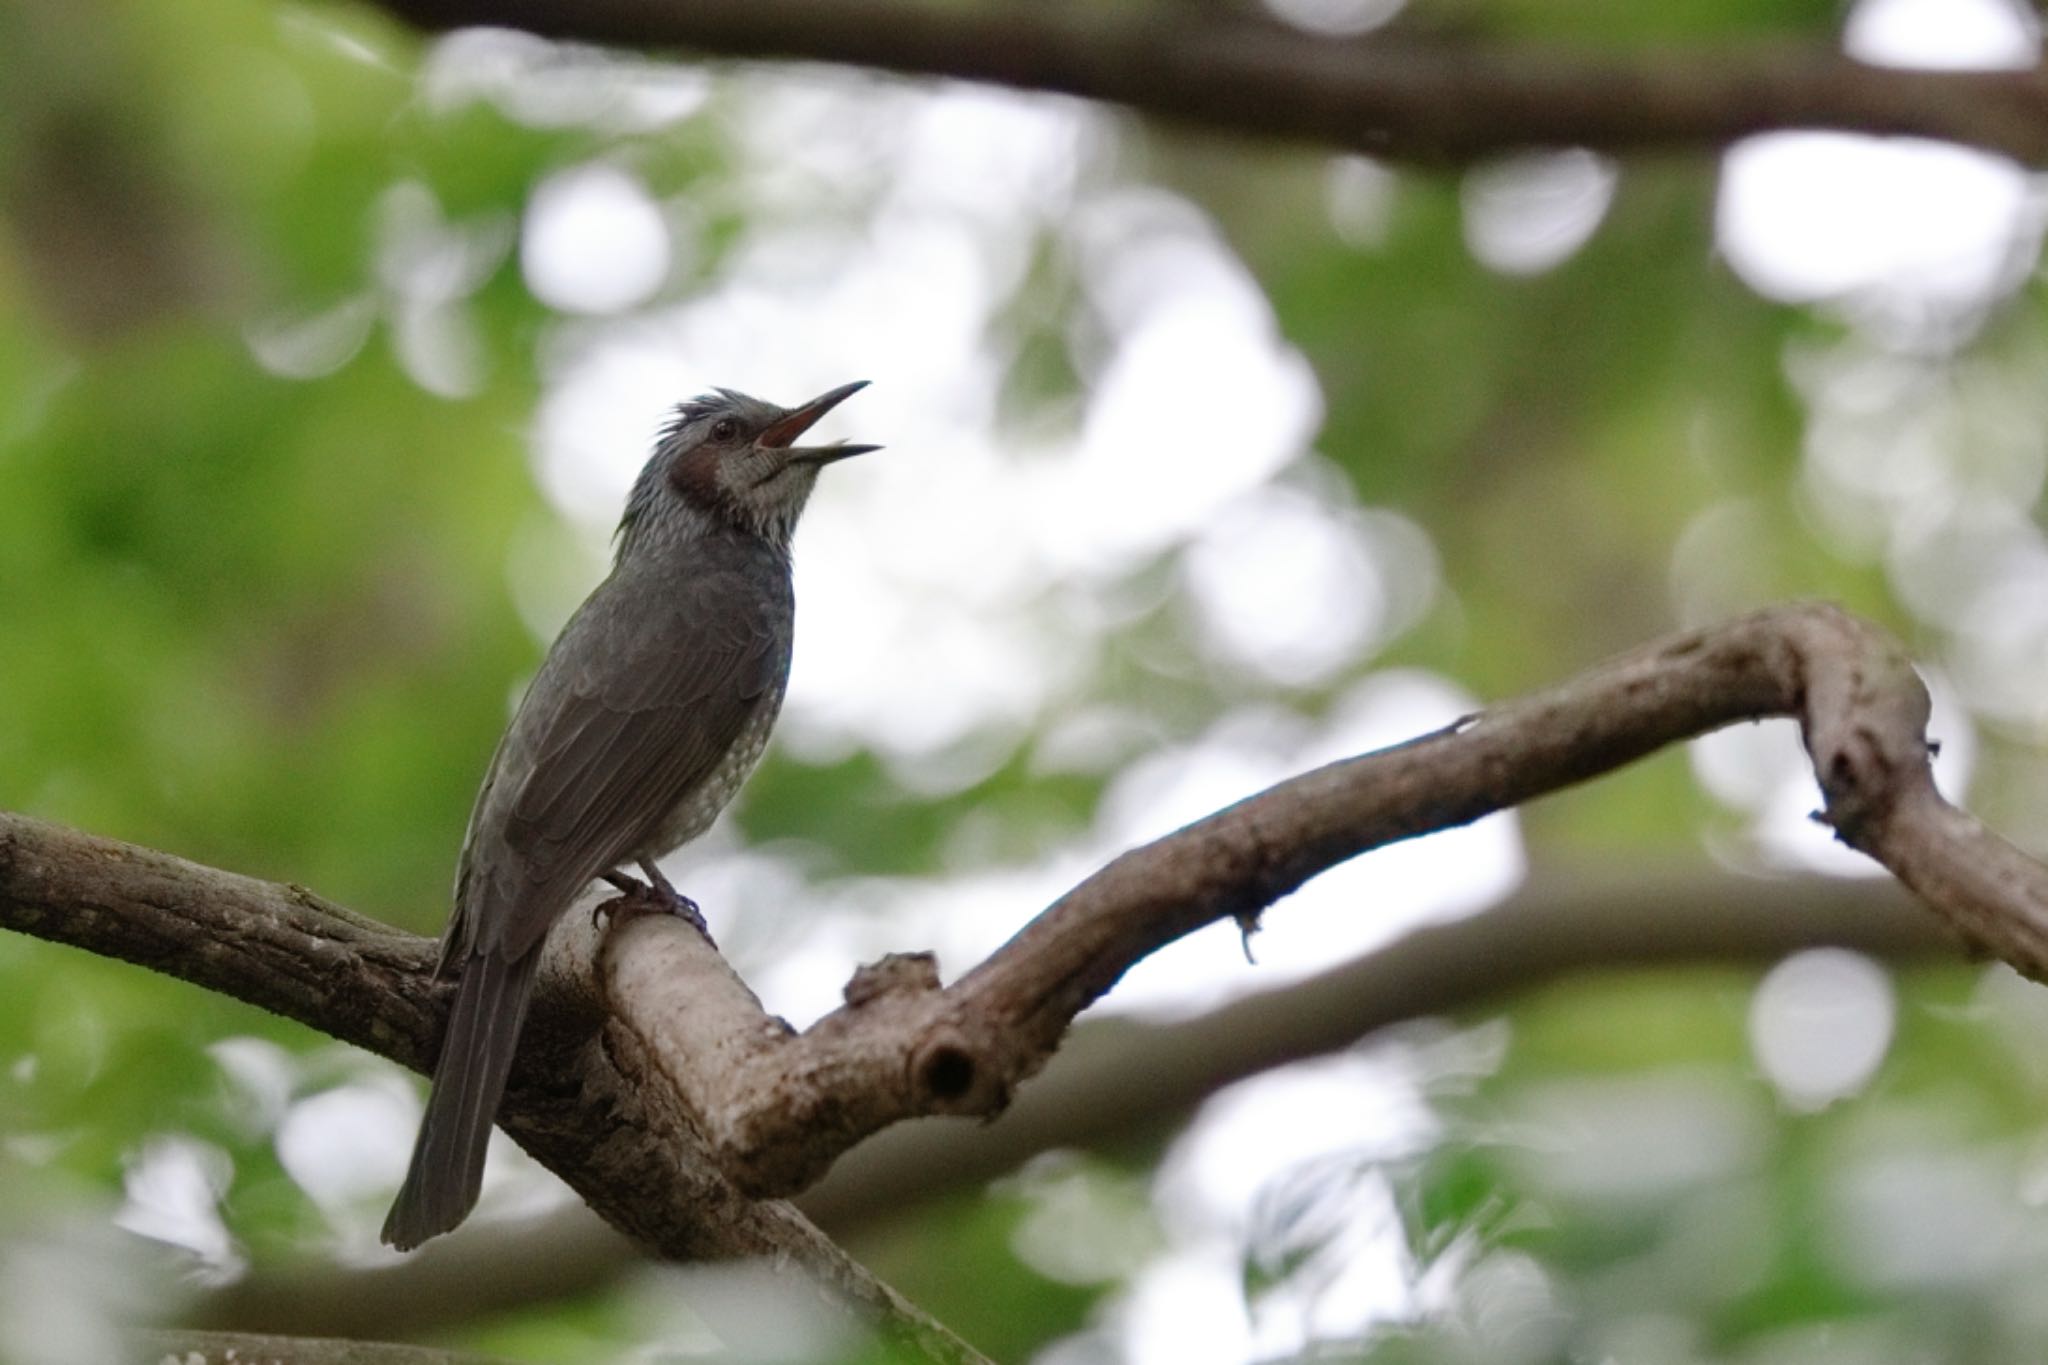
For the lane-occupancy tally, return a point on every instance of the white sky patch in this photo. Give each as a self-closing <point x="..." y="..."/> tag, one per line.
<point x="1200" y="402"/>
<point x="608" y="391"/>
<point x="1945" y="34"/>
<point x="805" y="980"/>
<point x="70" y="1290"/>
<point x="991" y="155"/>
<point x="259" y="1077"/>
<point x="1359" y="195"/>
<point x="546" y="84"/>
<point x="1315" y="1132"/>
<point x="1929" y="464"/>
<point x="349" y="1143"/>
<point x="1187" y="1308"/>
<point x="2001" y="646"/>
<point x="1723" y="562"/>
<point x="1529" y="213"/>
<point x="1355" y="1105"/>
<point x="1913" y="225"/>
<point x="1919" y="232"/>
<point x="905" y="667"/>
<point x="1339" y="18"/>
<point x="1093" y="738"/>
<point x="813" y="139"/>
<point x="594" y="240"/>
<point x="174" y="1189"/>
<point x="1946" y="568"/>
<point x="1294" y="589"/>
<point x="1820" y="1024"/>
<point x="347" y="1147"/>
<point x="1140" y="247"/>
<point x="1079" y="1226"/>
<point x="1284" y="588"/>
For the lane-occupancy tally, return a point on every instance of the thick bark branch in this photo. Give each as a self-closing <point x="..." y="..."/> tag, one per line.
<point x="1387" y="96"/>
<point x="777" y="1108"/>
<point x="284" y="949"/>
<point x="618" y="1108"/>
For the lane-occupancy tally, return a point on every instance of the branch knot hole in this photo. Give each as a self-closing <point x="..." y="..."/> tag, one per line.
<point x="951" y="1075"/>
<point x="948" y="1072"/>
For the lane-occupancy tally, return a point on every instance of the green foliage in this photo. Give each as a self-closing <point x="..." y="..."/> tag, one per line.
<point x="1629" y="1151"/>
<point x="261" y="612"/>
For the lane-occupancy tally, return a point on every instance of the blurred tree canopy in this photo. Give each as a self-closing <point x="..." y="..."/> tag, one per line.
<point x="290" y="503"/>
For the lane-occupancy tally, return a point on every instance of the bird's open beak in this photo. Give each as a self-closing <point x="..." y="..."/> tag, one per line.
<point x="779" y="434"/>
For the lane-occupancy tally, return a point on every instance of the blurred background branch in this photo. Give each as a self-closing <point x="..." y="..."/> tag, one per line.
<point x="250" y="1348"/>
<point x="1239" y="72"/>
<point x="114" y="237"/>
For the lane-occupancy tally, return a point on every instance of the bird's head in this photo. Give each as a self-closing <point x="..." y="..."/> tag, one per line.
<point x="734" y="459"/>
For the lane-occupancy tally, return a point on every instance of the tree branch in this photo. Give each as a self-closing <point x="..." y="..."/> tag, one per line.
<point x="1384" y="95"/>
<point x="617" y="1108"/>
<point x="1118" y="1081"/>
<point x="777" y="1108"/>
<point x="286" y="950"/>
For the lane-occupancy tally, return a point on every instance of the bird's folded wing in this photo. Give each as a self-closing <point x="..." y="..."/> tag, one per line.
<point x="614" y="743"/>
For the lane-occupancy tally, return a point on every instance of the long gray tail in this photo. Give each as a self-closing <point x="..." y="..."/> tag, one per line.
<point x="469" y="1080"/>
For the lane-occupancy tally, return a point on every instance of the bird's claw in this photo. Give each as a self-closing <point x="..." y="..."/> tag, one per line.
<point x="644" y="898"/>
<point x="688" y="911"/>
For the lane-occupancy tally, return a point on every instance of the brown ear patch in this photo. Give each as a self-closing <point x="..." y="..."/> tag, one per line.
<point x="694" y="474"/>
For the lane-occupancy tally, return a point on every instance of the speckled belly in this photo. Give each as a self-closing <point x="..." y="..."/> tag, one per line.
<point x="695" y="812"/>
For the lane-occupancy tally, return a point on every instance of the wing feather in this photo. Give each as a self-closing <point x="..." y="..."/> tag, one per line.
<point x="637" y="703"/>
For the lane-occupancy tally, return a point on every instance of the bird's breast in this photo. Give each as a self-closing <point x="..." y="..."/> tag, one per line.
<point x="699" y="806"/>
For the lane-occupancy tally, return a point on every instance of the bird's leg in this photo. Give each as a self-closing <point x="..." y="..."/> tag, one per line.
<point x="678" y="903"/>
<point x="654" y="894"/>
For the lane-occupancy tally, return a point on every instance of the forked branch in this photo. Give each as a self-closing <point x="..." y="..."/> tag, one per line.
<point x="777" y="1108"/>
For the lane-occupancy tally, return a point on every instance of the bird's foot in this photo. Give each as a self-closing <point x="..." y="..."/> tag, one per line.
<point x="652" y="897"/>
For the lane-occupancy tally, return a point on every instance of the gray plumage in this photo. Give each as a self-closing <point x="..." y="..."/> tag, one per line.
<point x="648" y="713"/>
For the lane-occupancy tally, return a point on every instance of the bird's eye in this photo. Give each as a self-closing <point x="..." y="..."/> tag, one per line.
<point x="724" y="429"/>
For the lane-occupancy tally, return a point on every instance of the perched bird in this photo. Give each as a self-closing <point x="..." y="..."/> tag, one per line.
<point x="647" y="714"/>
